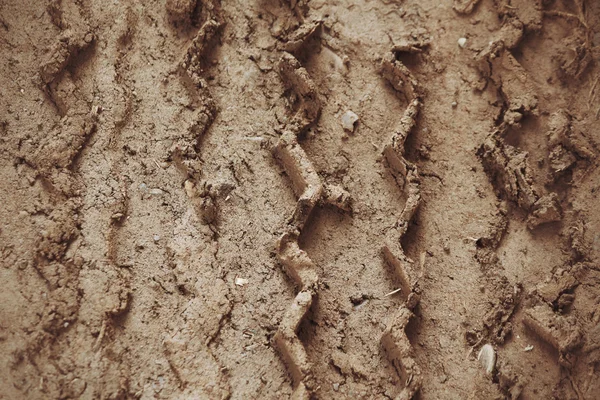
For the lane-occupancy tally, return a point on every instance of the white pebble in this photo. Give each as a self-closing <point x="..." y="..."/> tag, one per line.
<point x="241" y="281"/>
<point x="349" y="120"/>
<point x="487" y="358"/>
<point x="462" y="42"/>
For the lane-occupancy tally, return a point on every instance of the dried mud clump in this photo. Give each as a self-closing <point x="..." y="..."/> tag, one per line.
<point x="548" y="311"/>
<point x="562" y="332"/>
<point x="508" y="170"/>
<point x="513" y="83"/>
<point x="496" y="324"/>
<point x="527" y="12"/>
<point x="511" y="176"/>
<point x="498" y="65"/>
<point x="546" y="209"/>
<point x="568" y="146"/>
<point x="465" y="6"/>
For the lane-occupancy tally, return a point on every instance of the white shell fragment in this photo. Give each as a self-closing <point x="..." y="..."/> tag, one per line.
<point x="349" y="120"/>
<point x="462" y="42"/>
<point x="487" y="358"/>
<point x="241" y="281"/>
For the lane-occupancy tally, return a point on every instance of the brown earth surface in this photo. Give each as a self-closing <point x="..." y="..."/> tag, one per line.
<point x="220" y="200"/>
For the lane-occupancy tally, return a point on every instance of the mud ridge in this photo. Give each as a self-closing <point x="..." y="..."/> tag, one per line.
<point x="311" y="191"/>
<point x="192" y="69"/>
<point x="394" y="339"/>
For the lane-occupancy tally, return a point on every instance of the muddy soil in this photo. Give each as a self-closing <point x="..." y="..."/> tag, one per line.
<point x="308" y="199"/>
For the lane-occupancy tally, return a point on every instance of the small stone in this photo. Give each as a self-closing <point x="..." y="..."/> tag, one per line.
<point x="528" y="348"/>
<point x="190" y="188"/>
<point x="462" y="42"/>
<point x="241" y="281"/>
<point x="336" y="386"/>
<point x="349" y="120"/>
<point x="156" y="192"/>
<point x="156" y="238"/>
<point x="454" y="104"/>
<point x="487" y="358"/>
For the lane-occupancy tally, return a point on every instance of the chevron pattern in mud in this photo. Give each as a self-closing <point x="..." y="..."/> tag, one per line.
<point x="394" y="339"/>
<point x="311" y="191"/>
<point x="141" y="203"/>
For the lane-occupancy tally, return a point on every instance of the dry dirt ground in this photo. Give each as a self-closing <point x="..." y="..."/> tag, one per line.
<point x="219" y="200"/>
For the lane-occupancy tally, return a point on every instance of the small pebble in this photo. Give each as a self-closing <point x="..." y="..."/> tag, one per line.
<point x="454" y="104"/>
<point x="349" y="120"/>
<point x="241" y="281"/>
<point x="189" y="188"/>
<point x="336" y="386"/>
<point x="487" y="358"/>
<point x="156" y="238"/>
<point x="462" y="42"/>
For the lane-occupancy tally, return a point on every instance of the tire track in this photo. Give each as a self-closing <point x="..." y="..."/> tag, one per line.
<point x="192" y="68"/>
<point x="191" y="340"/>
<point x="394" y="339"/>
<point x="510" y="174"/>
<point x="56" y="160"/>
<point x="153" y="230"/>
<point x="311" y="191"/>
